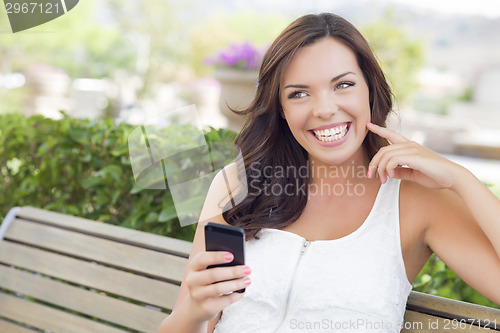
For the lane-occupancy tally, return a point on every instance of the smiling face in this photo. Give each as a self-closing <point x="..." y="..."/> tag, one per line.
<point x="325" y="102"/>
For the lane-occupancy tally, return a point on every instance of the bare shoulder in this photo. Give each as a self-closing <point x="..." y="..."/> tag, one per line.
<point x="428" y="207"/>
<point x="225" y="186"/>
<point x="413" y="198"/>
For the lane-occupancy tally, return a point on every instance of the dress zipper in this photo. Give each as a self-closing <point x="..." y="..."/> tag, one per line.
<point x="305" y="244"/>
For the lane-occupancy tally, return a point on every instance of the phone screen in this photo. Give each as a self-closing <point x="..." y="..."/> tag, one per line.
<point x="220" y="237"/>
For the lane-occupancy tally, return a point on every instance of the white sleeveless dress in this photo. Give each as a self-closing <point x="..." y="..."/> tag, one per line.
<point x="356" y="283"/>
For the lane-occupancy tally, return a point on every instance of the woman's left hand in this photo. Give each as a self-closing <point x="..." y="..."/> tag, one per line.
<point x="408" y="160"/>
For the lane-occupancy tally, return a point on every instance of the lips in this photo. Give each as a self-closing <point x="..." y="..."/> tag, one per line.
<point x="331" y="133"/>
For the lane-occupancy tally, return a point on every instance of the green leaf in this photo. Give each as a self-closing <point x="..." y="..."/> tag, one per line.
<point x="151" y="217"/>
<point x="90" y="182"/>
<point x="167" y="213"/>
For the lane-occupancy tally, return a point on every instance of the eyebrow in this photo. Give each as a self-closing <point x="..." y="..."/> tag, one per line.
<point x="302" y="86"/>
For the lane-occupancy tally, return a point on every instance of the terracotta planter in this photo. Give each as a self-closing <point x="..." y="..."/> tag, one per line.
<point x="237" y="91"/>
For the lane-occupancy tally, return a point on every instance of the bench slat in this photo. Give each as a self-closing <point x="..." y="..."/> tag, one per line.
<point x="81" y="300"/>
<point x="47" y="318"/>
<point x="6" y="326"/>
<point x="156" y="264"/>
<point x="144" y="239"/>
<point x="449" y="308"/>
<point x="89" y="274"/>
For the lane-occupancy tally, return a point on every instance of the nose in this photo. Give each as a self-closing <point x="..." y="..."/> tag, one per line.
<point x="325" y="105"/>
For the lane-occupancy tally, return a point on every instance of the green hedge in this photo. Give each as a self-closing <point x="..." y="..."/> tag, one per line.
<point x="82" y="167"/>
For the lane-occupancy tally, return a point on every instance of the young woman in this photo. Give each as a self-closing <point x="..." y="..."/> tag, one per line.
<point x="341" y="213"/>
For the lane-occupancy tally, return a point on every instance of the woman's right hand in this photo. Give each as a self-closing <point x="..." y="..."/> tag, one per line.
<point x="211" y="290"/>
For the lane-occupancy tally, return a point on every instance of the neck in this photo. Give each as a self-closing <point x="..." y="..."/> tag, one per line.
<point x="353" y="169"/>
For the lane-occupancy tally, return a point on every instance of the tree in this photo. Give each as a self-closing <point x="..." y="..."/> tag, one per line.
<point x="399" y="55"/>
<point x="78" y="42"/>
<point x="159" y="33"/>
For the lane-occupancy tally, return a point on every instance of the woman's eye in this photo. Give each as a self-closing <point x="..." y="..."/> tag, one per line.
<point x="343" y="85"/>
<point x="297" y="94"/>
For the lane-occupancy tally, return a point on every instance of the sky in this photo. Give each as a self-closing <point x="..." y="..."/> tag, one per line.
<point x="350" y="9"/>
<point x="487" y="8"/>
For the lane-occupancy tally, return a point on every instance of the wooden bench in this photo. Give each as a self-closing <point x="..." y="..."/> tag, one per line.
<point x="62" y="273"/>
<point x="67" y="274"/>
<point x="429" y="313"/>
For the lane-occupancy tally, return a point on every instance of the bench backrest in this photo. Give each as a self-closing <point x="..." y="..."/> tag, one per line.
<point x="66" y="274"/>
<point x="429" y="313"/>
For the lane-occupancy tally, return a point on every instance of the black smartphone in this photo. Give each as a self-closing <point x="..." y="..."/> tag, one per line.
<point x="220" y="237"/>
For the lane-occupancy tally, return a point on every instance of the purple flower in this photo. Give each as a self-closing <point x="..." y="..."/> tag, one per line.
<point x="243" y="56"/>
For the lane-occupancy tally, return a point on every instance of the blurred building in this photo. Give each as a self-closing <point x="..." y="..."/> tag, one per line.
<point x="466" y="127"/>
<point x="481" y="116"/>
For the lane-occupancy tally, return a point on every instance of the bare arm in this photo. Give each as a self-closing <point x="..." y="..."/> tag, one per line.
<point x="467" y="238"/>
<point x="457" y="237"/>
<point x="461" y="214"/>
<point x="201" y="297"/>
<point x="187" y="316"/>
<point x="482" y="203"/>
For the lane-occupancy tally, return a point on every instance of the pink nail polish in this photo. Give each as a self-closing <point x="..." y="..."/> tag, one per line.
<point x="247" y="281"/>
<point x="368" y="174"/>
<point x="228" y="256"/>
<point x="246" y="270"/>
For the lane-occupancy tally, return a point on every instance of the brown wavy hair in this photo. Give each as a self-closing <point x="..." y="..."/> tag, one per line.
<point x="266" y="141"/>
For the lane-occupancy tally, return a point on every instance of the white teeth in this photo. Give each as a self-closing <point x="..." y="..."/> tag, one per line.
<point x="331" y="134"/>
